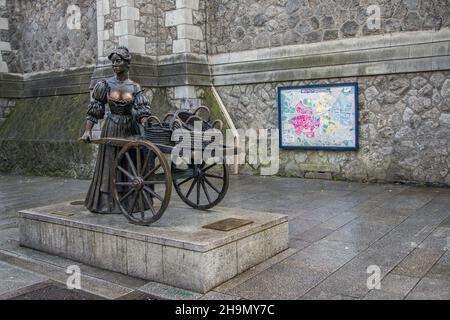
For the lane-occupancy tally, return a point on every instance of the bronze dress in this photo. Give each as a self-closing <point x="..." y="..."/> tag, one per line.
<point x="127" y="104"/>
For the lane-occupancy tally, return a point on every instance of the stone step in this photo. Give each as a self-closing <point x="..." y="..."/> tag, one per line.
<point x="93" y="280"/>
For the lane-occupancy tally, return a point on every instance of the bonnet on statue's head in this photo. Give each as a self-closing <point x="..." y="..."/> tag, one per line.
<point x="122" y="52"/>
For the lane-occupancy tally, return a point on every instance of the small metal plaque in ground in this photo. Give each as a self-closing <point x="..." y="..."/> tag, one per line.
<point x="228" y="224"/>
<point x="62" y="213"/>
<point x="56" y="292"/>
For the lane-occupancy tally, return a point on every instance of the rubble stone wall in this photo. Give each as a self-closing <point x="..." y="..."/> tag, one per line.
<point x="236" y="25"/>
<point x="404" y="126"/>
<point x="51" y="34"/>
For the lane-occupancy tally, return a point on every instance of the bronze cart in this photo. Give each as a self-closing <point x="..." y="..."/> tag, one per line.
<point x="143" y="190"/>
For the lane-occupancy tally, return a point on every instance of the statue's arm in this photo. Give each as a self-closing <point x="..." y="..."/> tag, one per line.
<point x="96" y="110"/>
<point x="141" y="106"/>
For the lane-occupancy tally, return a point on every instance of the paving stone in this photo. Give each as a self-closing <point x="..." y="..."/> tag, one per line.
<point x="441" y="269"/>
<point x="298" y="243"/>
<point x="283" y="281"/>
<point x="326" y="255"/>
<point x="383" y="295"/>
<point x="212" y="295"/>
<point x="90" y="284"/>
<point x="411" y="202"/>
<point x="316" y="294"/>
<point x="39" y="256"/>
<point x="299" y="225"/>
<point x="14" y="278"/>
<point x="136" y="295"/>
<point x="8" y="237"/>
<point x="386" y="258"/>
<point x="243" y="277"/>
<point x="351" y="279"/>
<point x="164" y="292"/>
<point x="386" y="216"/>
<point x="359" y="231"/>
<point x="431" y="289"/>
<point x="409" y="234"/>
<point x="347" y="283"/>
<point x="417" y="263"/>
<point x="438" y="240"/>
<point x="339" y="220"/>
<point x="398" y="284"/>
<point x="445" y="223"/>
<point x="315" y="234"/>
<point x="55" y="291"/>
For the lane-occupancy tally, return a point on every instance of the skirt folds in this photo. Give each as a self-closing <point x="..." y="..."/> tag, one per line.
<point x="100" y="197"/>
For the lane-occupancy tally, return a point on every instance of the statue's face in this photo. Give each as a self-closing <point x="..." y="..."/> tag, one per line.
<point x="119" y="65"/>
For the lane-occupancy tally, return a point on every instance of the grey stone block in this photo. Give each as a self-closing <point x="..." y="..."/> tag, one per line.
<point x="30" y="233"/>
<point x="80" y="245"/>
<point x="53" y="236"/>
<point x="136" y="257"/>
<point x="251" y="251"/>
<point x="276" y="240"/>
<point x="110" y="252"/>
<point x="199" y="272"/>
<point x="144" y="260"/>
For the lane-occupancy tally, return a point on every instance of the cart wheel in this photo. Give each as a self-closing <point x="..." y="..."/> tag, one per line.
<point x="141" y="182"/>
<point x="201" y="186"/>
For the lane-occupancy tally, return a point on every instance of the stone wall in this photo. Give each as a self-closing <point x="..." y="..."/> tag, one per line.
<point x="404" y="125"/>
<point x="43" y="139"/>
<point x="143" y="25"/>
<point x="6" y="106"/>
<point x="5" y="47"/>
<point x="130" y="23"/>
<point x="47" y="35"/>
<point x="236" y="25"/>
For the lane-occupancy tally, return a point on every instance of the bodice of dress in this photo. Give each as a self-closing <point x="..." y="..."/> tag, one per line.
<point x="125" y="98"/>
<point x="120" y="97"/>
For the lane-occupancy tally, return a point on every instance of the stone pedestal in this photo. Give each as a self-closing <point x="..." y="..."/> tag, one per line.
<point x="176" y="250"/>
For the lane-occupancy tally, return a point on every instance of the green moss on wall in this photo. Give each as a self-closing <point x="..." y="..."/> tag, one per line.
<point x="211" y="102"/>
<point x="40" y="137"/>
<point x="160" y="103"/>
<point x="59" y="118"/>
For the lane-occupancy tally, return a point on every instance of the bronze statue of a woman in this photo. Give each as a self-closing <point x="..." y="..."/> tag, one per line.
<point x="128" y="106"/>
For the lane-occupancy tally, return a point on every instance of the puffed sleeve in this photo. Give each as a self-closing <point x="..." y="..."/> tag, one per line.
<point x="96" y="109"/>
<point x="141" y="105"/>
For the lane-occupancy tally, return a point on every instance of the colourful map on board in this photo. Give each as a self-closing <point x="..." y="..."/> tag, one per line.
<point x="318" y="116"/>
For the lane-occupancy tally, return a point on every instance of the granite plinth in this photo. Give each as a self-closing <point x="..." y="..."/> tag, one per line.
<point x="175" y="250"/>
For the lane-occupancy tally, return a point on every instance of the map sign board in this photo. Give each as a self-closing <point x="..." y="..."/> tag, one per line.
<point x="323" y="116"/>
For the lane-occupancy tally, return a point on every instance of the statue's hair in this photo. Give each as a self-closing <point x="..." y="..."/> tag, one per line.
<point x="122" y="52"/>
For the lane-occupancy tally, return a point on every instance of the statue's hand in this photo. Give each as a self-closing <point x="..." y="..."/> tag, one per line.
<point x="144" y="121"/>
<point x="87" y="137"/>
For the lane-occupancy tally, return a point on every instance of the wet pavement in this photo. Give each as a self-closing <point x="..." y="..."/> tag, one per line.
<point x="342" y="236"/>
